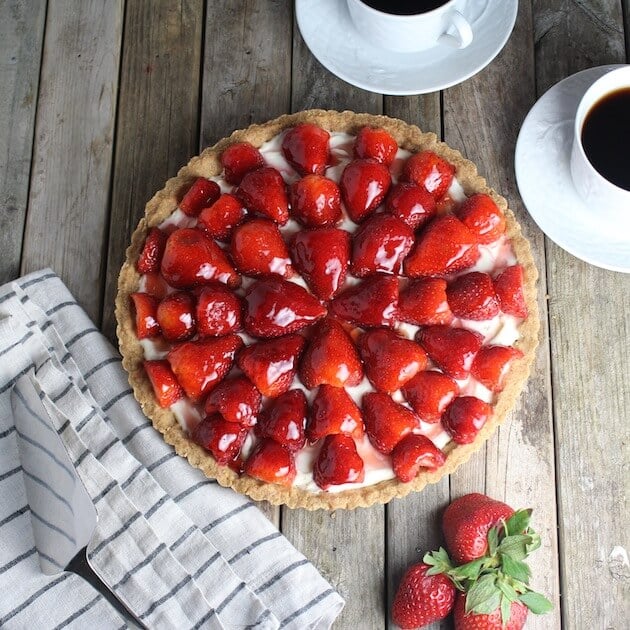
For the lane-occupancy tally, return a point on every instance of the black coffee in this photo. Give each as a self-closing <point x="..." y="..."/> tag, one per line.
<point x="404" y="7"/>
<point x="606" y="137"/>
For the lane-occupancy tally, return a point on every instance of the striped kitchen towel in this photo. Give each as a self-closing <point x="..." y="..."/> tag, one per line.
<point x="181" y="550"/>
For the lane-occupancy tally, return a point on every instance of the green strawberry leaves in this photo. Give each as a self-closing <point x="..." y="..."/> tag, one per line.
<point x="536" y="602"/>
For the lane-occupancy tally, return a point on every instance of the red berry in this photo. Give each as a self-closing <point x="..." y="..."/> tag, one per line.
<point x="155" y="285"/>
<point x="364" y="184"/>
<point x="223" y="439"/>
<point x="165" y="386"/>
<point x="218" y="311"/>
<point x="429" y="394"/>
<point x="338" y="462"/>
<point x="472" y="296"/>
<point x="429" y="171"/>
<point x="509" y="288"/>
<point x="492" y="621"/>
<point x="315" y="201"/>
<point x="264" y="192"/>
<point x="284" y="420"/>
<point x="176" y="316"/>
<point x="423" y="302"/>
<point x="333" y="412"/>
<point x="464" y="418"/>
<point x="481" y="215"/>
<point x="203" y="193"/>
<point x="145" y="307"/>
<point x="238" y="159"/>
<point x="152" y="251"/>
<point x="492" y="364"/>
<point x="218" y="220"/>
<point x="414" y="452"/>
<point x="386" y="421"/>
<point x="375" y="143"/>
<point x="272" y="463"/>
<point x="236" y="399"/>
<point x="411" y="204"/>
<point x="306" y="147"/>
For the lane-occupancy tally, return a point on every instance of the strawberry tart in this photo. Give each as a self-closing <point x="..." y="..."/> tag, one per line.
<point x="329" y="310"/>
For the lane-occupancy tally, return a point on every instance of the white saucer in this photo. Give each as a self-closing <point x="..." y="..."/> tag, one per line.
<point x="330" y="35"/>
<point x="543" y="152"/>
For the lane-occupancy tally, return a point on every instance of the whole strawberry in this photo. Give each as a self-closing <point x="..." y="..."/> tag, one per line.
<point x="488" y="621"/>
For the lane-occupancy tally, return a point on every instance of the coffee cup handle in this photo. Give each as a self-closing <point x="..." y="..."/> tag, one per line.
<point x="462" y="35"/>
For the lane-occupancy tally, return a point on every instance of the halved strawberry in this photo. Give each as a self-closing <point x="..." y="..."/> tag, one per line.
<point x="236" y="399"/>
<point x="414" y="452"/>
<point x="155" y="285"/>
<point x="444" y="246"/>
<point x="464" y="418"/>
<point x="381" y="244"/>
<point x="322" y="257"/>
<point x="451" y="349"/>
<point x="284" y="420"/>
<point x="219" y="311"/>
<point x="364" y="184"/>
<point x="152" y="251"/>
<point x="429" y="394"/>
<point x="203" y="193"/>
<point x="338" y="462"/>
<point x="306" y="148"/>
<point x="272" y="463"/>
<point x="423" y="302"/>
<point x="429" y="171"/>
<point x="472" y="296"/>
<point x="332" y="412"/>
<point x="145" y="307"/>
<point x="263" y="191"/>
<point x="315" y="201"/>
<point x="375" y="143"/>
<point x="411" y="204"/>
<point x="191" y="259"/>
<point x="271" y="365"/>
<point x="258" y="249"/>
<point x="390" y="360"/>
<point x="165" y="386"/>
<point x="202" y="364"/>
<point x="481" y="215"/>
<point x="386" y="421"/>
<point x="509" y="288"/>
<point x="176" y="316"/>
<point x="492" y="364"/>
<point x="238" y="159"/>
<point x="275" y="307"/>
<point x="223" y="439"/>
<point x="218" y="220"/>
<point x="330" y="358"/>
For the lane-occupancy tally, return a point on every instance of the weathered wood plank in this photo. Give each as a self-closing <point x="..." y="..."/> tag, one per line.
<point x="72" y="156"/>
<point x="21" y="37"/>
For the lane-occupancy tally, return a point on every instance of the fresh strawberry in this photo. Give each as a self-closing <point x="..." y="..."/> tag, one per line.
<point x="338" y="462"/>
<point x="152" y="251"/>
<point x="465" y="417"/>
<point x="364" y="184"/>
<point x="333" y="412"/>
<point x="322" y="257"/>
<point x="306" y="148"/>
<point x="492" y="621"/>
<point x="381" y="244"/>
<point x="223" y="439"/>
<point x="375" y="143"/>
<point x="275" y="307"/>
<point x="481" y="215"/>
<point x="411" y="204"/>
<point x="272" y="463"/>
<point x="145" y="306"/>
<point x="191" y="259"/>
<point x="315" y="201"/>
<point x="236" y="399"/>
<point x="509" y="288"/>
<point x="165" y="386"/>
<point x="155" y="285"/>
<point x="492" y="364"/>
<point x="451" y="349"/>
<point x="218" y="220"/>
<point x="258" y="249"/>
<point x="472" y="296"/>
<point x="422" y="599"/>
<point x="423" y="302"/>
<point x="200" y="365"/>
<point x="372" y="302"/>
<point x="429" y="171"/>
<point x="414" y="452"/>
<point x="390" y="360"/>
<point x="238" y="159"/>
<point x="330" y="358"/>
<point x="271" y="365"/>
<point x="444" y="246"/>
<point x="284" y="420"/>
<point x="218" y="311"/>
<point x="264" y="192"/>
<point x="203" y="193"/>
<point x="386" y="421"/>
<point x="176" y="316"/>
<point x="429" y="394"/>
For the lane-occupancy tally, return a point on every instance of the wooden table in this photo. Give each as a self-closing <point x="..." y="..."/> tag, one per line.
<point x="101" y="101"/>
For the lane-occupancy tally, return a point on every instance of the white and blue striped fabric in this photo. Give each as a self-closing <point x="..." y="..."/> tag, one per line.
<point x="180" y="550"/>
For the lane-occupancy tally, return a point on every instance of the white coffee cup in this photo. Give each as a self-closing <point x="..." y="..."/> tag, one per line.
<point x="412" y="33"/>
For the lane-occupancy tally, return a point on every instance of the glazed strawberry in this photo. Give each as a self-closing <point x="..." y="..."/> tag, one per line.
<point x="464" y="418"/>
<point x="306" y="148"/>
<point x="492" y="364"/>
<point x="429" y="394"/>
<point x="218" y="220"/>
<point x="386" y="421"/>
<point x="202" y="364"/>
<point x="165" y="386"/>
<point x="272" y="463"/>
<point x="264" y="192"/>
<point x="275" y="307"/>
<point x="451" y="349"/>
<point x="381" y="244"/>
<point x="223" y="439"/>
<point x="152" y="251"/>
<point x="364" y="184"/>
<point x="492" y="621"/>
<point x="322" y="257"/>
<point x="236" y="400"/>
<point x="176" y="316"/>
<point x="284" y="420"/>
<point x="414" y="452"/>
<point x="218" y="311"/>
<point x="472" y="296"/>
<point x="390" y="360"/>
<point x="338" y="462"/>
<point x="155" y="285"/>
<point x="481" y="215"/>
<point x="315" y="201"/>
<point x="145" y="307"/>
<point x="238" y="159"/>
<point x="333" y="412"/>
<point x="271" y="365"/>
<point x="509" y="289"/>
<point x="423" y="302"/>
<point x="203" y="193"/>
<point x="422" y="599"/>
<point x="375" y="143"/>
<point x="429" y="171"/>
<point x="372" y="302"/>
<point x="444" y="246"/>
<point x="258" y="249"/>
<point x="411" y="204"/>
<point x="191" y="258"/>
